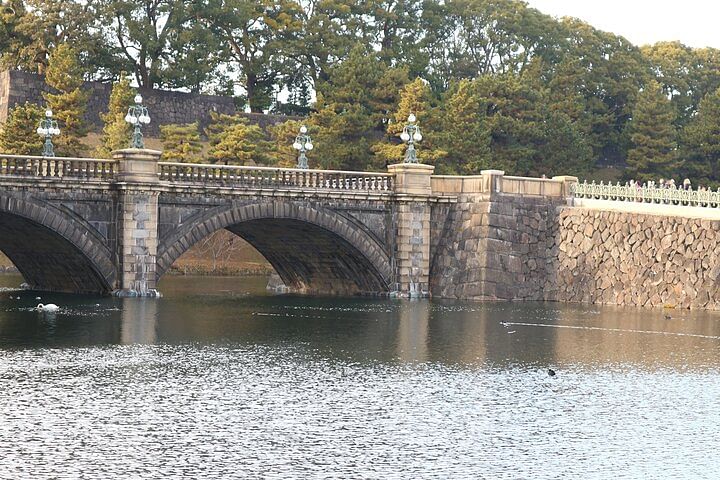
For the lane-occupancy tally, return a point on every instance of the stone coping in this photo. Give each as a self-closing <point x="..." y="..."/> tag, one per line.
<point x="659" y="209"/>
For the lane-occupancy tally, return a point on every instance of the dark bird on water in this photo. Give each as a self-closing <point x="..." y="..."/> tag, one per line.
<point x="667" y="317"/>
<point x="551" y="372"/>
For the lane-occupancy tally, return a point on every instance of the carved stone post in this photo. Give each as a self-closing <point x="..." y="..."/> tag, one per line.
<point x="137" y="221"/>
<point x="492" y="180"/>
<point x="412" y="238"/>
<point x="567" y="182"/>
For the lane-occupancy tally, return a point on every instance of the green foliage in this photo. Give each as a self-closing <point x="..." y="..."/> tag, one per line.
<point x="653" y="136"/>
<point x="234" y="142"/>
<point x="64" y="76"/>
<point x="254" y="38"/>
<point x="117" y="132"/>
<point x="352" y="109"/>
<point x="465" y="133"/>
<point x="37" y="26"/>
<point x="701" y="141"/>
<point x="181" y="143"/>
<point x="18" y="135"/>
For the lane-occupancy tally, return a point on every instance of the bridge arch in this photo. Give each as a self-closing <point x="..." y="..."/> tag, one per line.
<point x="313" y="249"/>
<point x="52" y="249"/>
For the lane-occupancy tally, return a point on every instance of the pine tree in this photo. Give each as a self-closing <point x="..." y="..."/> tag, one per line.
<point x="414" y="98"/>
<point x="234" y="142"/>
<point x="116" y="132"/>
<point x="352" y="108"/>
<point x="464" y="131"/>
<point x="654" y="149"/>
<point x="64" y="76"/>
<point x="701" y="141"/>
<point x="181" y="143"/>
<point x="18" y="136"/>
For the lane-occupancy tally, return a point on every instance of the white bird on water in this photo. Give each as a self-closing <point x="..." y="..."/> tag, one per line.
<point x="50" y="308"/>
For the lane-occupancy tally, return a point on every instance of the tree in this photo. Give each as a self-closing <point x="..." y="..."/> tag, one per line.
<point x="38" y="26"/>
<point x="181" y="142"/>
<point x="352" y="110"/>
<point x="514" y="117"/>
<point x="158" y="41"/>
<point x="701" y="141"/>
<point x="470" y="38"/>
<point x="464" y="132"/>
<point x="653" y="136"/>
<point x="234" y="142"/>
<point x="18" y="135"/>
<point x="117" y="132"/>
<point x="328" y="31"/>
<point x="670" y="63"/>
<point x="607" y="72"/>
<point x="64" y="76"/>
<point x="415" y="98"/>
<point x="252" y="35"/>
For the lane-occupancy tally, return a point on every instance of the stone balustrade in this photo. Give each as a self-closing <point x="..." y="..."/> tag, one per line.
<point x="270" y="177"/>
<point x="57" y="167"/>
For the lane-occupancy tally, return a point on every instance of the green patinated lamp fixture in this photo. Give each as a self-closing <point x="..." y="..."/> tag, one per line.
<point x="303" y="143"/>
<point x="47" y="129"/>
<point x="411" y="134"/>
<point x="137" y="116"/>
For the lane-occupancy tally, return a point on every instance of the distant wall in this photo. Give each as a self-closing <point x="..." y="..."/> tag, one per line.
<point x="165" y="107"/>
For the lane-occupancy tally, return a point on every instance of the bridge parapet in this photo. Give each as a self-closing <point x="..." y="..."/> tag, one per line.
<point x="272" y="177"/>
<point x="496" y="182"/>
<point x="57" y="167"/>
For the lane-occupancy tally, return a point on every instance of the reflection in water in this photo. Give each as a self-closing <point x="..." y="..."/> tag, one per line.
<point x="138" y="320"/>
<point x="218" y="379"/>
<point x="413" y="330"/>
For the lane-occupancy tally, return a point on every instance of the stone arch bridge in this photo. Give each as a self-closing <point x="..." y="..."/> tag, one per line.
<point x="117" y="225"/>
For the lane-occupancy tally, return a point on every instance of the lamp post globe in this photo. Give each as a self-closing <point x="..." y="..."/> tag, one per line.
<point x="303" y="143"/>
<point x="47" y="128"/>
<point x="137" y="116"/>
<point x="411" y="134"/>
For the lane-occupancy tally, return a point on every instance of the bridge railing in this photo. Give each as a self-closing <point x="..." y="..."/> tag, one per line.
<point x="645" y="194"/>
<point x="272" y="177"/>
<point x="57" y="167"/>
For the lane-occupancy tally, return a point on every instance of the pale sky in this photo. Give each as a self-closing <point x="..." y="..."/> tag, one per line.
<point x="695" y="23"/>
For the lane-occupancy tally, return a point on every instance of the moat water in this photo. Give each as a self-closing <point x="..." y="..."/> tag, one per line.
<point x="218" y="379"/>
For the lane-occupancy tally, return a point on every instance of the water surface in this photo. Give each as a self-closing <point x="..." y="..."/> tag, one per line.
<point x="220" y="380"/>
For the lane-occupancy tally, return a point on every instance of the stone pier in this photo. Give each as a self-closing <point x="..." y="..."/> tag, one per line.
<point x="137" y="221"/>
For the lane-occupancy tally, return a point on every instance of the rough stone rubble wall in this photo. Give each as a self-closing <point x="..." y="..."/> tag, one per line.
<point x="493" y="250"/>
<point x="636" y="259"/>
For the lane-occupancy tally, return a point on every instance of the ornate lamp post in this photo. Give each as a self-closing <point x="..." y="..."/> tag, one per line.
<point x="411" y="134"/>
<point x="47" y="128"/>
<point x="303" y="143"/>
<point x="137" y="115"/>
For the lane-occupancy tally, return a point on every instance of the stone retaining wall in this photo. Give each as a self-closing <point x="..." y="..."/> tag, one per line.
<point x="493" y="247"/>
<point x="635" y="259"/>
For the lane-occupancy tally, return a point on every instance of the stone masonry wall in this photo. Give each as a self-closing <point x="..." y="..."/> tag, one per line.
<point x="166" y="107"/>
<point x="635" y="259"/>
<point x="492" y="250"/>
